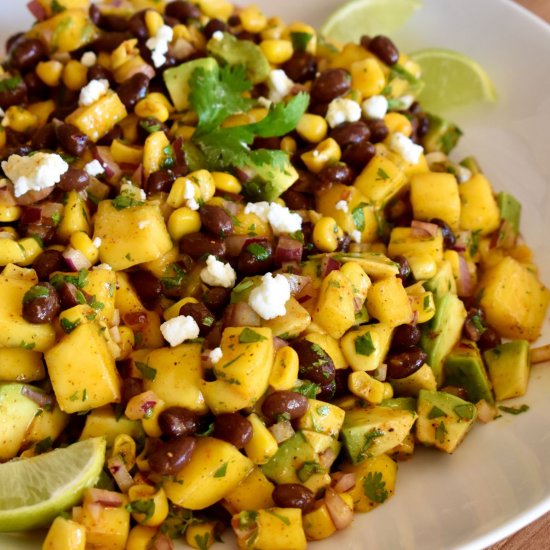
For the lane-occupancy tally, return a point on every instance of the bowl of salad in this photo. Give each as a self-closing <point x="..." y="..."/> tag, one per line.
<point x="254" y="290"/>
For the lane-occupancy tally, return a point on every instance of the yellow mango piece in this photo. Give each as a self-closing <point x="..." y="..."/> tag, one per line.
<point x="318" y="524"/>
<point x="479" y="209"/>
<point x="348" y="55"/>
<point x="253" y="493"/>
<point x="82" y="370"/>
<point x="65" y="534"/>
<point x="21" y="365"/>
<point x="130" y="236"/>
<point x="223" y="397"/>
<point x="202" y="535"/>
<point x="263" y="445"/>
<point x="49" y="423"/>
<point x="367" y="77"/>
<point x="108" y="529"/>
<point x="365" y="387"/>
<point x="75" y="217"/>
<point x="405" y="243"/>
<point x="423" y="306"/>
<point x="215" y="471"/>
<point x="101" y="284"/>
<point x="422" y="379"/>
<point x="292" y="323"/>
<point x="388" y="302"/>
<point x="322" y="417"/>
<point x="104" y="422"/>
<point x="365" y="348"/>
<point x="435" y="195"/>
<point x="123" y="153"/>
<point x="330" y="346"/>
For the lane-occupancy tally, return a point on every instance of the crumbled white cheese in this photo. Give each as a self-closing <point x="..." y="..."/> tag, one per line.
<point x="281" y="219"/>
<point x="268" y="300"/>
<point x="375" y="107"/>
<point x="215" y="355"/>
<point x="94" y="90"/>
<point x="355" y="236"/>
<point x="34" y="172"/>
<point x="462" y="173"/>
<point x="218" y="36"/>
<point x="404" y="146"/>
<point x="405" y="102"/>
<point x="342" y="110"/>
<point x="217" y="273"/>
<point x="88" y="59"/>
<point x="105" y="267"/>
<point x="189" y="196"/>
<point x="158" y="45"/>
<point x="97" y="242"/>
<point x="179" y="329"/>
<point x="279" y="85"/>
<point x="342" y="205"/>
<point x="94" y="168"/>
<point x="133" y="191"/>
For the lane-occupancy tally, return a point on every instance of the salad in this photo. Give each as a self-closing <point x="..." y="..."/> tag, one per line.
<point x="239" y="258"/>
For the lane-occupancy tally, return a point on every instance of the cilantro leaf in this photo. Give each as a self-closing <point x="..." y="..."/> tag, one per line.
<point x="364" y="344"/>
<point x="514" y="410"/>
<point x="258" y="251"/>
<point x="308" y="389"/>
<point x="148" y="372"/>
<point x="249" y="336"/>
<point x="221" y="471"/>
<point x="358" y="216"/>
<point x="374" y="487"/>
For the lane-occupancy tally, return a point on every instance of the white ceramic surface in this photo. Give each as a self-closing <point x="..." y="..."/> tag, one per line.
<point x="499" y="479"/>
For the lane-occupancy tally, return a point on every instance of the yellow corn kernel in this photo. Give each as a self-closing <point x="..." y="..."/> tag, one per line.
<point x="9" y="213"/>
<point x="143" y="493"/>
<point x="150" y="420"/>
<point x="182" y="222"/>
<point x="423" y="266"/>
<point x="274" y="29"/>
<point x="366" y="387"/>
<point x="182" y="130"/>
<point x="140" y="537"/>
<point x="82" y="242"/>
<point x="285" y="369"/>
<point x="252" y="19"/>
<point x="288" y="144"/>
<point x="153" y="152"/>
<point x="367" y="77"/>
<point x="153" y="21"/>
<point x="181" y="31"/>
<point x="312" y="128"/>
<point x="20" y="119"/>
<point x="263" y="445"/>
<point x="125" y="448"/>
<point x="42" y="110"/>
<point x="201" y="535"/>
<point x="221" y="9"/>
<point x="104" y="59"/>
<point x="205" y="182"/>
<point x="75" y="75"/>
<point x="396" y="122"/>
<point x="126" y="154"/>
<point x="50" y="72"/>
<point x="388" y="390"/>
<point x="155" y="105"/>
<point x="65" y="534"/>
<point x="3" y="138"/>
<point x="226" y="183"/>
<point x="327" y="152"/>
<point x="277" y="51"/>
<point x="180" y="193"/>
<point x="174" y="309"/>
<point x="326" y="233"/>
<point x="120" y="55"/>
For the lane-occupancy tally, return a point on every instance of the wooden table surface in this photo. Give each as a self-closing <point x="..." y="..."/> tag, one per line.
<point x="535" y="536"/>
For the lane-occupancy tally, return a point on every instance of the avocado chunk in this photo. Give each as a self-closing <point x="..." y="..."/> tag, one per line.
<point x="464" y="368"/>
<point x="510" y="215"/>
<point x="284" y="465"/>
<point x="422" y="379"/>
<point x="442" y="135"/>
<point x="509" y="365"/>
<point x="443" y="419"/>
<point x="269" y="182"/>
<point x="442" y="332"/>
<point x="177" y="80"/>
<point x="471" y="164"/>
<point x="403" y="403"/>
<point x="443" y="282"/>
<point x="376" y="430"/>
<point x="16" y="415"/>
<point x="233" y="51"/>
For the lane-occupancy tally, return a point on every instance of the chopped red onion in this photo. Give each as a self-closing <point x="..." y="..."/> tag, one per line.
<point x="138" y="176"/>
<point x="423" y="229"/>
<point x="340" y="513"/>
<point x="39" y="397"/>
<point x="465" y="283"/>
<point x="288" y="250"/>
<point x="120" y="473"/>
<point x="37" y="9"/>
<point x="463" y="239"/>
<point x="241" y="315"/>
<point x="76" y="259"/>
<point x="344" y="481"/>
<point x="109" y="499"/>
<point x="329" y="264"/>
<point x="102" y="153"/>
<point x="279" y="343"/>
<point x="485" y="411"/>
<point x="297" y="283"/>
<point x="282" y="431"/>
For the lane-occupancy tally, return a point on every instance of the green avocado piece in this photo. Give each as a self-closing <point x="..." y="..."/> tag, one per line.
<point x="268" y="182"/>
<point x="284" y="465"/>
<point x="464" y="368"/>
<point x="509" y="365"/>
<point x="177" y="79"/>
<point x="374" y="431"/>
<point x="16" y="415"/>
<point x="443" y="282"/>
<point x="442" y="332"/>
<point x="443" y="135"/>
<point x="233" y="51"/>
<point x="403" y="403"/>
<point x="443" y="419"/>
<point x="471" y="164"/>
<point x="510" y="210"/>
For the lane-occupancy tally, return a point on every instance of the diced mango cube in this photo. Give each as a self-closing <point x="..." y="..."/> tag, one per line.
<point x="479" y="210"/>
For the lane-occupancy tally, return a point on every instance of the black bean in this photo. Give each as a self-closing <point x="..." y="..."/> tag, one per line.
<point x="490" y="338"/>
<point x="41" y="304"/>
<point x="449" y="238"/>
<point x="114" y="133"/>
<point x="182" y="10"/>
<point x="288" y="404"/>
<point x="327" y="391"/>
<point x="130" y="388"/>
<point x="405" y="363"/>
<point x="27" y="53"/>
<point x="294" y="495"/>
<point x="147" y="286"/>
<point x="404" y="267"/>
<point x="45" y="137"/>
<point x="336" y="173"/>
<point x="298" y="201"/>
<point x="358" y="155"/>
<point x="315" y="364"/>
<point x="71" y="139"/>
<point x="349" y="133"/>
<point x="405" y="337"/>
<point x="114" y="23"/>
<point x="267" y="143"/>
<point x="13" y="95"/>
<point x="384" y="49"/>
<point x="160" y="182"/>
<point x="133" y="89"/>
<point x="255" y="257"/>
<point x="306" y="182"/>
<point x="74" y="180"/>
<point x="48" y="262"/>
<point x="213" y="26"/>
<point x="137" y="25"/>
<point x="201" y="314"/>
<point x="330" y="84"/>
<point x="170" y="457"/>
<point x="43" y="231"/>
<point x="301" y="67"/>
<point x="199" y="244"/>
<point x="216" y="220"/>
<point x="216" y="298"/>
<point x="233" y="428"/>
<point x="95" y="14"/>
<point x="13" y="40"/>
<point x="107" y="42"/>
<point x="36" y="88"/>
<point x="70" y="295"/>
<point x="178" y="421"/>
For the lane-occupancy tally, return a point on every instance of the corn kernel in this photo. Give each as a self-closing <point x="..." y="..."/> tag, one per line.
<point x="20" y="120"/>
<point x="205" y="181"/>
<point x="423" y="266"/>
<point x="288" y="144"/>
<point x="252" y="19"/>
<point x="150" y="108"/>
<point x="181" y="32"/>
<point x="182" y="130"/>
<point x="158" y="510"/>
<point x="126" y="154"/>
<point x="326" y="233"/>
<point x="9" y="214"/>
<point x="75" y="75"/>
<point x="153" y="152"/>
<point x="123" y="53"/>
<point x="327" y="152"/>
<point x="50" y="72"/>
<point x="276" y="51"/>
<point x="263" y="445"/>
<point x="388" y="390"/>
<point x="312" y="128"/>
<point x="396" y="122"/>
<point x="285" y="369"/>
<point x="182" y="222"/>
<point x="201" y="535"/>
<point x="140" y="537"/>
<point x="367" y="77"/>
<point x="42" y="111"/>
<point x="153" y="21"/>
<point x="81" y="241"/>
<point x="72" y="535"/>
<point x="365" y="387"/>
<point x="3" y="138"/>
<point x="226" y="183"/>
<point x="124" y="447"/>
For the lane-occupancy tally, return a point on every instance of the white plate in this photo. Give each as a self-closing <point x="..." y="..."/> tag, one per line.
<point x="499" y="479"/>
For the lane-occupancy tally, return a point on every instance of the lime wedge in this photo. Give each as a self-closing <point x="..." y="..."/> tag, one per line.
<point x="451" y="79"/>
<point x="35" y="490"/>
<point x="371" y="17"/>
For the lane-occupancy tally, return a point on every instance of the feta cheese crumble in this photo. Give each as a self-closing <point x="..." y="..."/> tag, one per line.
<point x="35" y="172"/>
<point x="158" y="45"/>
<point x="279" y="85"/>
<point x="218" y="36"/>
<point x="462" y="174"/>
<point x="97" y="242"/>
<point x="375" y="107"/>
<point x="178" y="329"/>
<point x="355" y="236"/>
<point x="405" y="102"/>
<point x="217" y="273"/>
<point x="281" y="219"/>
<point x="404" y="146"/>
<point x="342" y="110"/>
<point x="268" y="300"/>
<point x="215" y="355"/>
<point x="88" y="59"/>
<point x="94" y="168"/>
<point x="189" y="196"/>
<point x="94" y="90"/>
<point x="133" y="191"/>
<point x="342" y="205"/>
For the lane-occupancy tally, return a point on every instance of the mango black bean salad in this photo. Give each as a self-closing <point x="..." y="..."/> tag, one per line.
<point x="243" y="256"/>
